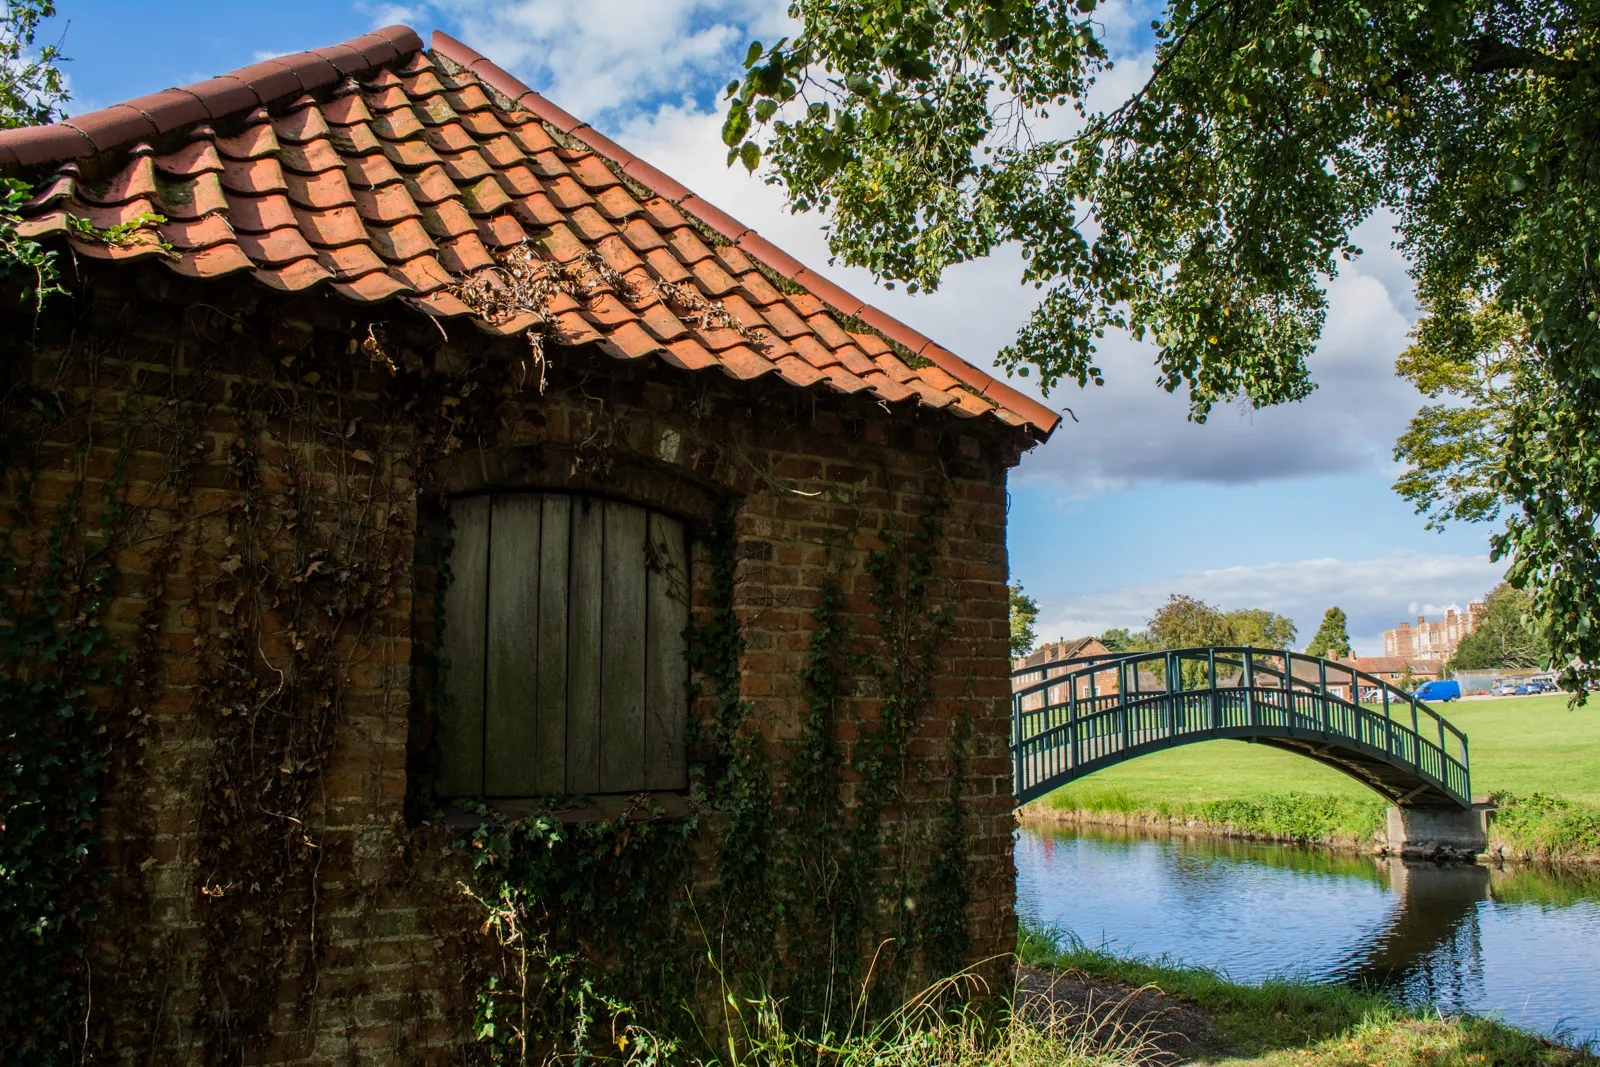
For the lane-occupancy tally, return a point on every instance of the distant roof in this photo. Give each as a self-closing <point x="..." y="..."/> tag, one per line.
<point x="1388" y="664"/>
<point x="387" y="172"/>
<point x="1060" y="650"/>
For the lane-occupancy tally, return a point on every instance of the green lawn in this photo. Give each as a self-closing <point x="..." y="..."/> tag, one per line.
<point x="1518" y="745"/>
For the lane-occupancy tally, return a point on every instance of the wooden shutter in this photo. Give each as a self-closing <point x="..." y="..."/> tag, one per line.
<point x="567" y="615"/>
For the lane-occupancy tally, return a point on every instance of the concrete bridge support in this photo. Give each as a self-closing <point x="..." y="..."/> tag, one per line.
<point x="1435" y="831"/>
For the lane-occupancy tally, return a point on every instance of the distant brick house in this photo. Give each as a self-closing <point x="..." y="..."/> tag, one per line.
<point x="397" y="461"/>
<point x="1064" y="652"/>
<point x="1436" y="641"/>
<point x="1388" y="669"/>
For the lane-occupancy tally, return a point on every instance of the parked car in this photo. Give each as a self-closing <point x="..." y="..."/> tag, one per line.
<point x="1504" y="689"/>
<point x="1440" y="689"/>
<point x="1528" y="689"/>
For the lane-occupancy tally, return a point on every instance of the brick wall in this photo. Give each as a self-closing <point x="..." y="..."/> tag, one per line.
<point x="273" y="896"/>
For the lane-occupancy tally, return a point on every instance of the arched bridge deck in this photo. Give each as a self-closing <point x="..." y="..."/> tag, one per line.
<point x="1074" y="717"/>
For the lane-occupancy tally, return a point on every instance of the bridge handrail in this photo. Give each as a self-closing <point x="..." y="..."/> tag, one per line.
<point x="1248" y="664"/>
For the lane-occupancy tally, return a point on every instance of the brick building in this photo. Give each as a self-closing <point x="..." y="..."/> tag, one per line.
<point x="404" y="441"/>
<point x="1434" y="642"/>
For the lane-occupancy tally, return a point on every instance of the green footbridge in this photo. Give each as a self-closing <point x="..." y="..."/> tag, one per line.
<point x="1071" y="718"/>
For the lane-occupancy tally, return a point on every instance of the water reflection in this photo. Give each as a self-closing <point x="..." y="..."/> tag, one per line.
<point x="1523" y="944"/>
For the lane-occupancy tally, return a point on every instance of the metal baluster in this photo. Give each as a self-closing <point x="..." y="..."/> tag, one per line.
<point x="1072" y="722"/>
<point x="1016" y="741"/>
<point x="1249" y="688"/>
<point x="1211" y="673"/>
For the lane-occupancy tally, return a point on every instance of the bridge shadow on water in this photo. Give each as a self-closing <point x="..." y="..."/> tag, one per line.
<point x="1431" y="946"/>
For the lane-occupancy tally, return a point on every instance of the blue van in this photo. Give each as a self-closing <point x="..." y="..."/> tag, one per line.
<point x="1441" y="691"/>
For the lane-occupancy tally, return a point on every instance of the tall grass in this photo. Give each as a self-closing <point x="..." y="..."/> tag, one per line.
<point x="1540" y="826"/>
<point x="949" y="1024"/>
<point x="1293" y="816"/>
<point x="1526" y="825"/>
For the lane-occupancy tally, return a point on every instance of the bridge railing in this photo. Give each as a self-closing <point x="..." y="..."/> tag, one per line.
<point x="1063" y="717"/>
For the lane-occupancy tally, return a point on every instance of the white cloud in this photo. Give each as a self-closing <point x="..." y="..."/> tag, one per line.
<point x="387" y="14"/>
<point x="604" y="58"/>
<point x="1366" y="589"/>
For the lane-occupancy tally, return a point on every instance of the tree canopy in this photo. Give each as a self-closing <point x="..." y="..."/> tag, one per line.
<point x="1332" y="639"/>
<point x="1187" y="622"/>
<point x="1206" y="211"/>
<point x="1503" y="637"/>
<point x="1024" y="612"/>
<point x="31" y="83"/>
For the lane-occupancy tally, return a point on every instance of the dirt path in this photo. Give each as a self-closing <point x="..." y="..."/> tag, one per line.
<point x="1173" y="1031"/>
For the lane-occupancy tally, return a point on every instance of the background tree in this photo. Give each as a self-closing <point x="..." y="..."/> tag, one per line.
<point x="1187" y="622"/>
<point x="32" y="87"/>
<point x="1259" y="628"/>
<point x="1207" y="211"/>
<point x="1407" y="680"/>
<point x="1507" y="635"/>
<point x="1123" y="640"/>
<point x="1024" y="612"/>
<point x="1332" y="639"/>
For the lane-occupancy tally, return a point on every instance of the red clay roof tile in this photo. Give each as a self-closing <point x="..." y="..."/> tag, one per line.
<point x="411" y="155"/>
<point x="225" y="95"/>
<point x="327" y="190"/>
<point x="888" y="388"/>
<point x="297" y="127"/>
<point x="252" y="142"/>
<point x="138" y="178"/>
<point x="799" y="372"/>
<point x="346" y="110"/>
<point x="501" y="231"/>
<point x="424" y="274"/>
<point x="396" y="186"/>
<point x="255" y="176"/>
<point x="193" y="158"/>
<point x="188" y="200"/>
<point x="213" y="262"/>
<point x="631" y="342"/>
<point x="854" y="360"/>
<point x="259" y="214"/>
<point x="666" y="267"/>
<point x="386" y="204"/>
<point x="814" y="353"/>
<point x="758" y="289"/>
<point x="690" y="355"/>
<point x="842" y="380"/>
<point x="313" y="157"/>
<point x="195" y="234"/>
<point x="336" y="226"/>
<point x="170" y="109"/>
<point x="349" y="262"/>
<point x="113" y="126"/>
<point x="448" y="218"/>
<point x="276" y="247"/>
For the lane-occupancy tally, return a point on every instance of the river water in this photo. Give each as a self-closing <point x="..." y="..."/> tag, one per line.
<point x="1522" y="945"/>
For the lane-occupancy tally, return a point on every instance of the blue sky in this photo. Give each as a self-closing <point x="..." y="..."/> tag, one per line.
<point x="1288" y="509"/>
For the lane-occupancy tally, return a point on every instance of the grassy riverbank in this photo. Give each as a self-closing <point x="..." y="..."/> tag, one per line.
<point x="1280" y="1023"/>
<point x="1541" y="760"/>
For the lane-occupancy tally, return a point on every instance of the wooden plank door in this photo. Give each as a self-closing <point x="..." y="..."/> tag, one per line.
<point x="465" y="603"/>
